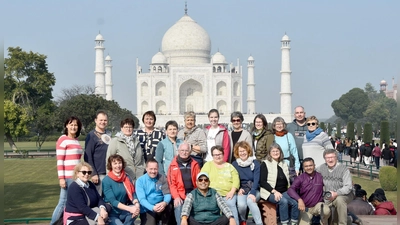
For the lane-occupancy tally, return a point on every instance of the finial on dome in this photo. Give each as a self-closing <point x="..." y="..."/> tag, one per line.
<point x="186" y="8"/>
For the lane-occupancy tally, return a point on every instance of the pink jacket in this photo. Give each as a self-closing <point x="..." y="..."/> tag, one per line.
<point x="223" y="139"/>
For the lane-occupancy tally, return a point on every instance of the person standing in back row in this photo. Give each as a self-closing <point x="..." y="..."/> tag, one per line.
<point x="298" y="128"/>
<point x="96" y="145"/>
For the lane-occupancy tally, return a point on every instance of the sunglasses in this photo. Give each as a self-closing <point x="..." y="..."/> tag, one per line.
<point x="309" y="124"/>
<point x="238" y="120"/>
<point x="86" y="172"/>
<point x="203" y="179"/>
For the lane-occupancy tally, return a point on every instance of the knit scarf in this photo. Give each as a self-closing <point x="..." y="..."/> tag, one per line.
<point x="313" y="134"/>
<point x="257" y="134"/>
<point x="130" y="189"/>
<point x="180" y="160"/>
<point x="129" y="142"/>
<point x="188" y="132"/>
<point x="281" y="133"/>
<point x="248" y="162"/>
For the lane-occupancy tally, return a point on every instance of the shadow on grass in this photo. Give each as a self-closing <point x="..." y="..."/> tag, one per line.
<point x="29" y="200"/>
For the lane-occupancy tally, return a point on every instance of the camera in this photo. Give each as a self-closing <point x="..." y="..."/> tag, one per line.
<point x="327" y="195"/>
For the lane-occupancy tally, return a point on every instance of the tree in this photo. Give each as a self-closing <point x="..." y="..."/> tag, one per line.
<point x="352" y="105"/>
<point x="385" y="136"/>
<point x="350" y="130"/>
<point x="329" y="129"/>
<point x="322" y="126"/>
<point x="367" y="133"/>
<point x="371" y="92"/>
<point x="44" y="123"/>
<point x="16" y="121"/>
<point x="78" y="106"/>
<point x="68" y="93"/>
<point x="359" y="130"/>
<point x="338" y="130"/>
<point x="27" y="83"/>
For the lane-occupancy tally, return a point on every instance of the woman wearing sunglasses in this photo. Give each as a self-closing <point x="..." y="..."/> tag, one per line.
<point x="84" y="204"/>
<point x="69" y="153"/>
<point x="119" y="192"/>
<point x="316" y="141"/>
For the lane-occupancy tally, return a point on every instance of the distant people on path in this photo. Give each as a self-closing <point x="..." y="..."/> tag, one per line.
<point x="167" y="149"/>
<point x="127" y="145"/>
<point x="353" y="153"/>
<point x="337" y="180"/>
<point x="84" y="204"/>
<point x="274" y="183"/>
<point x="149" y="136"/>
<point x="360" y="205"/>
<point x="224" y="178"/>
<point x="382" y="207"/>
<point x="347" y="145"/>
<point x="154" y="196"/>
<point x="366" y="150"/>
<point x="340" y="146"/>
<point x="308" y="189"/>
<point x="181" y="177"/>
<point x="195" y="136"/>
<point x="96" y="145"/>
<point x="262" y="137"/>
<point x="238" y="134"/>
<point x="203" y="205"/>
<point x="249" y="175"/>
<point x="376" y="153"/>
<point x="298" y="128"/>
<point x="288" y="146"/>
<point x="119" y="192"/>
<point x="386" y="155"/>
<point x="69" y="152"/>
<point x="217" y="134"/>
<point x="316" y="141"/>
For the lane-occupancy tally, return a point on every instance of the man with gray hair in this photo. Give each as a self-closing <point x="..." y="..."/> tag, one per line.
<point x="338" y="185"/>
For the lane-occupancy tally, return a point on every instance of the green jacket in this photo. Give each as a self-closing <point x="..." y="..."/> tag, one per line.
<point x="266" y="138"/>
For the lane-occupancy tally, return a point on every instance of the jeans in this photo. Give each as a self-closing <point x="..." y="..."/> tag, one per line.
<point x="377" y="162"/>
<point x="243" y="202"/>
<point x="59" y="210"/>
<point x="284" y="204"/>
<point x="232" y="206"/>
<point x="340" y="156"/>
<point x="125" y="218"/>
<point x="178" y="211"/>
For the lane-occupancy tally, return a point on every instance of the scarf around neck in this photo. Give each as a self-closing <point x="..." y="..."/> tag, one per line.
<point x="180" y="160"/>
<point x="249" y="162"/>
<point x="281" y="133"/>
<point x="257" y="134"/>
<point x="129" y="143"/>
<point x="130" y="189"/>
<point x="312" y="135"/>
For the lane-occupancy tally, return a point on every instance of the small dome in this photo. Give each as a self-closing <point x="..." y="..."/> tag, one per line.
<point x="250" y="58"/>
<point x="159" y="58"/>
<point x="108" y="58"/>
<point x="99" y="37"/>
<point x="218" y="58"/>
<point x="285" y="38"/>
<point x="383" y="82"/>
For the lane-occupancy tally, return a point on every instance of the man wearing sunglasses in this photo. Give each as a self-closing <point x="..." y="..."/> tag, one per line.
<point x="203" y="205"/>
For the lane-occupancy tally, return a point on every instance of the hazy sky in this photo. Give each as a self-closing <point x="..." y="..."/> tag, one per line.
<point x="335" y="45"/>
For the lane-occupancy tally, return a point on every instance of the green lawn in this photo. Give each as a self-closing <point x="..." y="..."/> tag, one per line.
<point x="31" y="187"/>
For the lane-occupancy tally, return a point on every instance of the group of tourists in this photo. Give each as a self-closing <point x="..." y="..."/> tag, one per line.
<point x="200" y="176"/>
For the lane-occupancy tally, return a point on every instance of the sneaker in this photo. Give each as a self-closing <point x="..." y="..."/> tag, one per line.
<point x="243" y="222"/>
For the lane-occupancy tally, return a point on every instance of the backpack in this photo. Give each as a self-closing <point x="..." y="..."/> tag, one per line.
<point x="340" y="147"/>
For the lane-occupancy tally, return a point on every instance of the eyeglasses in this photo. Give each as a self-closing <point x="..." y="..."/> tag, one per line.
<point x="203" y="180"/>
<point x="238" y="120"/>
<point x="313" y="124"/>
<point x="216" y="155"/>
<point x="127" y="127"/>
<point x="86" y="172"/>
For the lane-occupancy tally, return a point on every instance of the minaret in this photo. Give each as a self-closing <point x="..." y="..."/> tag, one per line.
<point x="99" y="88"/>
<point x="251" y="94"/>
<point x="286" y="93"/>
<point x="109" y="84"/>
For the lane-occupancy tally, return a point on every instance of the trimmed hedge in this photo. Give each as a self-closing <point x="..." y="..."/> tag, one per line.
<point x="350" y="130"/>
<point x="385" y="136"/>
<point x="367" y="133"/>
<point x="388" y="178"/>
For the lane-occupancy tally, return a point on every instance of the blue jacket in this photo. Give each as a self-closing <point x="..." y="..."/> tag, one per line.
<point x="151" y="191"/>
<point x="165" y="153"/>
<point x="285" y="141"/>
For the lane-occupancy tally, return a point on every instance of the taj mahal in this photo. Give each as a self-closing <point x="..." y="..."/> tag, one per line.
<point x="184" y="76"/>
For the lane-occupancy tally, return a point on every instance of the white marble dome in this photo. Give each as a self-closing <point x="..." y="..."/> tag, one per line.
<point x="186" y="42"/>
<point x="250" y="58"/>
<point x="383" y="82"/>
<point x="285" y="38"/>
<point x="159" y="58"/>
<point x="99" y="37"/>
<point x="108" y="58"/>
<point x="218" y="58"/>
